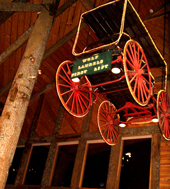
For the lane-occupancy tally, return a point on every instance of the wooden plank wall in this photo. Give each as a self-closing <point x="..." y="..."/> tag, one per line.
<point x="165" y="165"/>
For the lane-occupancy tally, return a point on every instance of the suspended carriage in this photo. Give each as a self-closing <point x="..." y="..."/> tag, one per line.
<point x="117" y="67"/>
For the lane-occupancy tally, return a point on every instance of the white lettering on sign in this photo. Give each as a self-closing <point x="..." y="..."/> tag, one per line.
<point x="100" y="67"/>
<point x="90" y="64"/>
<point x="78" y="73"/>
<point x="90" y="58"/>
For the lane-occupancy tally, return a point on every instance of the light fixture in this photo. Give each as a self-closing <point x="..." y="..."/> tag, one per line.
<point x="76" y="79"/>
<point x="155" y="120"/>
<point x="128" y="154"/>
<point x="122" y="125"/>
<point x="115" y="70"/>
<point x="151" y="10"/>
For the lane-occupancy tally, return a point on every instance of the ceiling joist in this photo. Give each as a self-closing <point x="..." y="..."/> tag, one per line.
<point x="20" y="7"/>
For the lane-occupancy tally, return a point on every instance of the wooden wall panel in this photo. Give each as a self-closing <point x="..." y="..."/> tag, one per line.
<point x="165" y="165"/>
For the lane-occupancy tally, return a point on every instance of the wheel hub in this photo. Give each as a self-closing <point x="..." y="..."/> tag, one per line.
<point x="140" y="72"/>
<point x="109" y="117"/>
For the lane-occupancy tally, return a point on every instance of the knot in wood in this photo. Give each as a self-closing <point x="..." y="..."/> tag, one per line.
<point x="32" y="59"/>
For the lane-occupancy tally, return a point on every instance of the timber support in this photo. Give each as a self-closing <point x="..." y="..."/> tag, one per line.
<point x="15" y="108"/>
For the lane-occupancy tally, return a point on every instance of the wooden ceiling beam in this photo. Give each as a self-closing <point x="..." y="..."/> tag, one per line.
<point x="20" y="7"/>
<point x="16" y="45"/>
<point x="87" y="4"/>
<point x="47" y="53"/>
<point x="21" y="40"/>
<point x="152" y="15"/>
<point x="5" y="15"/>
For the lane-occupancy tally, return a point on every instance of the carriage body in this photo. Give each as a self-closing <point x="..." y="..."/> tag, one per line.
<point x="121" y="38"/>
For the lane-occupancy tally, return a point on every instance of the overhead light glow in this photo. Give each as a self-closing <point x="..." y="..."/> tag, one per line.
<point x="76" y="79"/>
<point x="122" y="125"/>
<point x="128" y="154"/>
<point x="151" y="10"/>
<point x="115" y="70"/>
<point x="155" y="120"/>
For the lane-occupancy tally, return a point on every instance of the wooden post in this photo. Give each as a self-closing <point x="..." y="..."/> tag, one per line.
<point x="21" y="174"/>
<point x="155" y="161"/>
<point x="114" y="170"/>
<point x="15" y="108"/>
<point x="79" y="165"/>
<point x="52" y="155"/>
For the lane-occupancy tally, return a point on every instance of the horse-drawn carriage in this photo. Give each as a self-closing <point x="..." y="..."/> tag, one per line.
<point x="115" y="66"/>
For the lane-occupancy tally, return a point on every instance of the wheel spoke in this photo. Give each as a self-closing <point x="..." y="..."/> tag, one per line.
<point x="112" y="136"/>
<point x="131" y="65"/>
<point x="136" y="67"/>
<point x="143" y="66"/>
<point x="104" y="121"/>
<point x="66" y="75"/>
<point x="72" y="106"/>
<point x="80" y="104"/>
<point x="136" y="83"/>
<point x="144" y="89"/>
<point x="105" y="130"/>
<point x="132" y="52"/>
<point x="62" y="94"/>
<point x="64" y="79"/>
<point x="69" y="98"/>
<point x="145" y="80"/>
<point x="66" y="86"/>
<point x="141" y="90"/>
<point x="107" y="122"/>
<point x="83" y="101"/>
<point x="133" y="78"/>
<point x="103" y="115"/>
<point x="84" y="96"/>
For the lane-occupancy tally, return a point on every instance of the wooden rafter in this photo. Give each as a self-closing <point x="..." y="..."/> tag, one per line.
<point x="5" y="15"/>
<point x="50" y="51"/>
<point x="21" y="40"/>
<point x="153" y="15"/>
<point x="87" y="4"/>
<point x="20" y="7"/>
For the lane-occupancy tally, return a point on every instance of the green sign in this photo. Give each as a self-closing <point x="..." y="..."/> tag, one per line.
<point x="93" y="64"/>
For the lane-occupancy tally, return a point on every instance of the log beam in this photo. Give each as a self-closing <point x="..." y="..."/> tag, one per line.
<point x="15" y="108"/>
<point x="20" y="7"/>
<point x="16" y="45"/>
<point x="5" y="15"/>
<point x="87" y="4"/>
<point x="21" y="40"/>
<point x="113" y="177"/>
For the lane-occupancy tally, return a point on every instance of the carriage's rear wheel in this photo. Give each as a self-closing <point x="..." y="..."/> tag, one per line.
<point x="108" y="122"/>
<point x="76" y="97"/>
<point x="163" y="111"/>
<point x="137" y="72"/>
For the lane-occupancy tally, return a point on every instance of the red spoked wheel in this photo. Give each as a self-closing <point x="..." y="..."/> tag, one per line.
<point x="137" y="72"/>
<point x="76" y="97"/>
<point x="108" y="122"/>
<point x="163" y="112"/>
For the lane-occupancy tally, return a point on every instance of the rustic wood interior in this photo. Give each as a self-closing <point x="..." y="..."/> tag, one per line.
<point x="46" y="120"/>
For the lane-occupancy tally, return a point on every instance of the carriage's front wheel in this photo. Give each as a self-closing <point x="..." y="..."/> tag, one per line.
<point x="137" y="72"/>
<point x="108" y="122"/>
<point x="76" y="97"/>
<point x="163" y="111"/>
